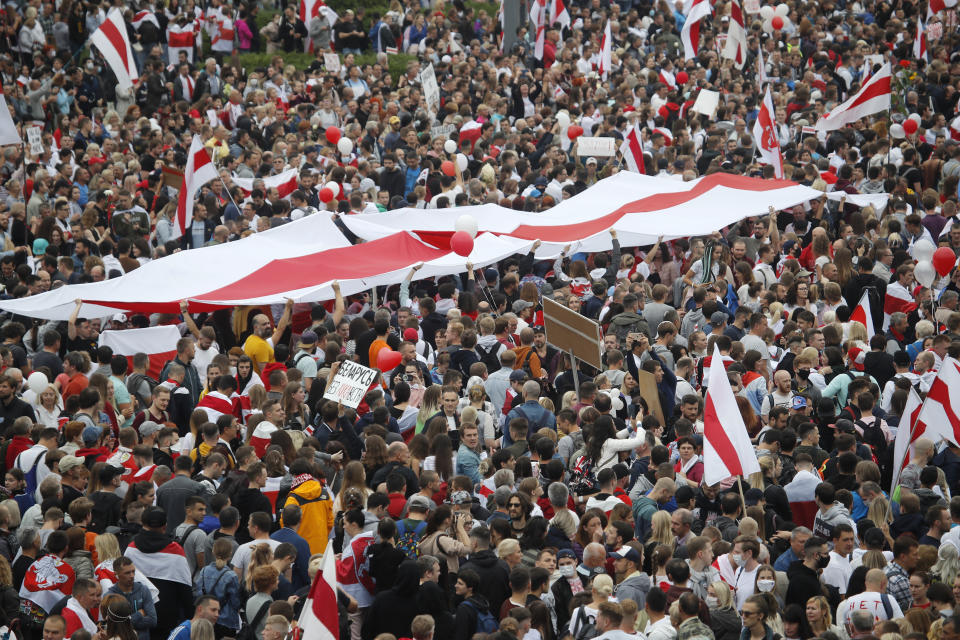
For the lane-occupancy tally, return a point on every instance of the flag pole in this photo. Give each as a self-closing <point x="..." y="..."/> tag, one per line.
<point x="229" y="195"/>
<point x="743" y="500"/>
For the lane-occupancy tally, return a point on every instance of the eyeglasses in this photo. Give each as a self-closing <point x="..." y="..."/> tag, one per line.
<point x="749" y="613"/>
<point x="514" y="504"/>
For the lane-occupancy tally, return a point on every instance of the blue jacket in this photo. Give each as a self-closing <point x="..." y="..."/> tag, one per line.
<point x="224" y="585"/>
<point x="536" y="416"/>
<point x="300" y="576"/>
<point x="410" y="179"/>
<point x="468" y="464"/>
<point x="140" y="598"/>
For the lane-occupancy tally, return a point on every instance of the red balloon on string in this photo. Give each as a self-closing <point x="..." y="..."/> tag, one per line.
<point x="388" y="359"/>
<point x="910" y="126"/>
<point x="461" y="243"/>
<point x="447" y="167"/>
<point x="333" y="135"/>
<point x="943" y="260"/>
<point x="682" y="78"/>
<point x="326" y="194"/>
<point x="574" y="131"/>
<point x="777" y="23"/>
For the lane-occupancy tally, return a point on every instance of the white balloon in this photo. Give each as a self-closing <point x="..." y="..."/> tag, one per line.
<point x="923" y="251"/>
<point x="915" y="117"/>
<point x="616" y="401"/>
<point x="766" y="12"/>
<point x="462" y="161"/>
<point x="897" y="132"/>
<point x="333" y="186"/>
<point x="467" y="223"/>
<point x="782" y="10"/>
<point x="37" y="382"/>
<point x="563" y="119"/>
<point x="450" y="146"/>
<point x="924" y="273"/>
<point x="345" y="146"/>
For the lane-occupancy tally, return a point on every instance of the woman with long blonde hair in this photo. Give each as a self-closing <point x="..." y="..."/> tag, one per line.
<point x="429" y="405"/>
<point x="354" y="477"/>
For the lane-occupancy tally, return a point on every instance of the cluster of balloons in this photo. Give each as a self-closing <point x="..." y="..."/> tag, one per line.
<point x="908" y="128"/>
<point x="774" y="18"/>
<point x="335" y="136"/>
<point x="932" y="262"/>
<point x="465" y="230"/>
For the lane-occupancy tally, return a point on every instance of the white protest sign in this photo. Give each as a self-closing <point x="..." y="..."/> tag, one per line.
<point x="431" y="90"/>
<point x="34" y="138"/>
<point x="332" y="62"/>
<point x="213" y="117"/>
<point x="934" y="30"/>
<point x="442" y="130"/>
<point x="707" y="103"/>
<point x="751" y="6"/>
<point x="596" y="146"/>
<point x="350" y="384"/>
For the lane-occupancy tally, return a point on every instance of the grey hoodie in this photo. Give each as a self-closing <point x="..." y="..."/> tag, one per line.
<point x="635" y="588"/>
<point x="824" y="523"/>
<point x="700" y="580"/>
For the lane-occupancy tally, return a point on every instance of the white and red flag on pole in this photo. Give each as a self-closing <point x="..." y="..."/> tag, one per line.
<point x="632" y="150"/>
<point x="159" y="343"/>
<point x="862" y="314"/>
<point x="606" y="52"/>
<point x="920" y="42"/>
<point x="936" y="6"/>
<point x="114" y="45"/>
<point x="199" y="171"/>
<point x="940" y="415"/>
<point x="690" y="33"/>
<point x="538" y="16"/>
<point x="285" y="183"/>
<point x="319" y="619"/>
<point x="736" y="46"/>
<point x="727" y="450"/>
<point x="872" y="98"/>
<point x="8" y="128"/>
<point x="144" y="16"/>
<point x="906" y="435"/>
<point x="765" y="135"/>
<point x="762" y="78"/>
<point x="558" y="14"/>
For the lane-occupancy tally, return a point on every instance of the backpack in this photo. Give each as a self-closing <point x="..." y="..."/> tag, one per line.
<point x="583" y="628"/>
<point x="134" y="380"/>
<point x="582" y="479"/>
<point x="486" y="623"/>
<point x="248" y="631"/>
<point x="525" y="364"/>
<point x="182" y="540"/>
<point x="489" y="358"/>
<point x="408" y="540"/>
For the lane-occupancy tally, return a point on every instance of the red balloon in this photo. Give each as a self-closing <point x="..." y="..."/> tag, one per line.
<point x="910" y="126"/>
<point x="777" y="23"/>
<point x="574" y="131"/>
<point x="944" y="260"/>
<point x="326" y="194"/>
<point x="388" y="359"/>
<point x="682" y="78"/>
<point x="461" y="243"/>
<point x="448" y="168"/>
<point x="333" y="135"/>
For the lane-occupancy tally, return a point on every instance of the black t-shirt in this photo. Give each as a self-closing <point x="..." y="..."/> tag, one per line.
<point x="20" y="566"/>
<point x="106" y="510"/>
<point x="82" y="344"/>
<point x="49" y="360"/>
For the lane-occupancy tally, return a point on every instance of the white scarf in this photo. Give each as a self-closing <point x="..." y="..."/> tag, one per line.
<point x="85" y="619"/>
<point x="686" y="466"/>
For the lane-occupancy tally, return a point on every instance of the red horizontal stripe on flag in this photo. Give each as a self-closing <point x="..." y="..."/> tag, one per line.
<point x="879" y="88"/>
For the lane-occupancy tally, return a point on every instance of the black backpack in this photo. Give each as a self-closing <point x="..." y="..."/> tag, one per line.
<point x="489" y="358"/>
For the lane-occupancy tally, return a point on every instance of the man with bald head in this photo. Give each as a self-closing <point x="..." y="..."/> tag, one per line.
<point x="259" y="344"/>
<point x="873" y="600"/>
<point x="780" y="396"/>
<point x="536" y="416"/>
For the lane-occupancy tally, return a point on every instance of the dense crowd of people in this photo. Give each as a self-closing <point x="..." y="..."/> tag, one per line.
<point x="486" y="485"/>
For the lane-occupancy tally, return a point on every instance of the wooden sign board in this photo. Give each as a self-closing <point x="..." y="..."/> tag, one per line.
<point x="647" y="385"/>
<point x="569" y="331"/>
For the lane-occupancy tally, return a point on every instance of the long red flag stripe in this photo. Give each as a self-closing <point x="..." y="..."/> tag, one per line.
<point x="116" y="39"/>
<point x="714" y="432"/>
<point x="877" y="89"/>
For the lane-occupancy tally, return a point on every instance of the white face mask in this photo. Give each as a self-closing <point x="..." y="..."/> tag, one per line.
<point x="737" y="559"/>
<point x="712" y="602"/>
<point x="567" y="570"/>
<point x="766" y="586"/>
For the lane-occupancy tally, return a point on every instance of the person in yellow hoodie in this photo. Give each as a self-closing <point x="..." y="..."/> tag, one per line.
<point x="316" y="505"/>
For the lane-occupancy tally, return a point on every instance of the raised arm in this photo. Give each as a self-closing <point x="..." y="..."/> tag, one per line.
<point x="339" y="306"/>
<point x="653" y="251"/>
<point x="187" y="318"/>
<point x="404" y="294"/>
<point x="72" y="321"/>
<point x="284" y="321"/>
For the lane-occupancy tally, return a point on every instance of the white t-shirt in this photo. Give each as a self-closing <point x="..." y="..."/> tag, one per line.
<point x="867" y="601"/>
<point x="837" y="573"/>
<point x="744" y="583"/>
<point x="241" y="557"/>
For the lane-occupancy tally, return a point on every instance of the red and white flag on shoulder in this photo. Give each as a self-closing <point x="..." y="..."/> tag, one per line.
<point x="765" y="135"/>
<point x="199" y="171"/>
<point x="632" y="150"/>
<point x="159" y="343"/>
<point x="319" y="619"/>
<point x="872" y="98"/>
<point x="181" y="37"/>
<point x="169" y="563"/>
<point x="690" y="33"/>
<point x="311" y="9"/>
<point x="538" y="16"/>
<point x="736" y="46"/>
<point x="862" y="315"/>
<point x="606" y="52"/>
<point x="897" y="298"/>
<point x="920" y="42"/>
<point x="727" y="450"/>
<point x="114" y="45"/>
<point x="906" y="435"/>
<point x="667" y="78"/>
<point x="144" y="16"/>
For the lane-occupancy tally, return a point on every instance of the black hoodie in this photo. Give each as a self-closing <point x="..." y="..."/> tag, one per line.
<point x="393" y="611"/>
<point x="176" y="598"/>
<point x="465" y="623"/>
<point x="494" y="577"/>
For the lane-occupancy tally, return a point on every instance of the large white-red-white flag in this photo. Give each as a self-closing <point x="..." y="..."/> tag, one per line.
<point x="606" y="52"/>
<point x="897" y="298"/>
<point x="538" y="16"/>
<point x="906" y="435"/>
<point x="736" y="46"/>
<point x="727" y="450"/>
<point x="940" y="415"/>
<point x="872" y="98"/>
<point x="920" y="42"/>
<point x="181" y="37"/>
<point x="114" y="45"/>
<point x="690" y="33"/>
<point x="311" y="9"/>
<point x="319" y="619"/>
<point x="632" y="150"/>
<point x="159" y="343"/>
<point x="765" y="136"/>
<point x="199" y="171"/>
<point x="862" y="315"/>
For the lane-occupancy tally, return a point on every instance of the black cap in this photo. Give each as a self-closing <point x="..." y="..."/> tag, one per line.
<point x="154" y="517"/>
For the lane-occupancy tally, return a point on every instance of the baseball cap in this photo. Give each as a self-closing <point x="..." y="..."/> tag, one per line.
<point x="803" y="273"/>
<point x="308" y="338"/>
<point x="91" y="434"/>
<point x="109" y="471"/>
<point x="411" y="334"/>
<point x="460" y="497"/>
<point x="591" y="160"/>
<point x="394" y="121"/>
<point x="154" y="517"/>
<point x="120" y="317"/>
<point x="799" y="402"/>
<point x="148" y="428"/>
<point x="540" y="181"/>
<point x="69" y="462"/>
<point x="627" y="553"/>
<point x="518" y="375"/>
<point x="566" y="553"/>
<point x="521" y="305"/>
<point x="845" y="426"/>
<point x="418" y="503"/>
<point x="718" y="317"/>
<point x="490" y="274"/>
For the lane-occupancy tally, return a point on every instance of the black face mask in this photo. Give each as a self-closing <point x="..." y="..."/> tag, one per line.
<point x="803" y="374"/>
<point x="823" y="561"/>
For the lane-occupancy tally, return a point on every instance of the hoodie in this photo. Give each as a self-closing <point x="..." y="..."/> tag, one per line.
<point x="465" y="623"/>
<point x="824" y="522"/>
<point x="494" y="576"/>
<point x="316" y="510"/>
<point x="635" y="587"/>
<point x="393" y="611"/>
<point x="175" y="599"/>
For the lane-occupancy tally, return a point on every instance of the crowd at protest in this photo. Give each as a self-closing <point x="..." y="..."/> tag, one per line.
<point x="486" y="486"/>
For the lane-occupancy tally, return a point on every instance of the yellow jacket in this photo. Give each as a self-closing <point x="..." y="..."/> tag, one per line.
<point x="316" y="509"/>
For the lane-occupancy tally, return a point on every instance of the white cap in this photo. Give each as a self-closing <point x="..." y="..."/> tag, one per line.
<point x="120" y="317"/>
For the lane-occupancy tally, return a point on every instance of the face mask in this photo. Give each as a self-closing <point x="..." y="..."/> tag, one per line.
<point x="737" y="559"/>
<point x="712" y="602"/>
<point x="567" y="570"/>
<point x="765" y="586"/>
<point x="803" y="374"/>
<point x="823" y="561"/>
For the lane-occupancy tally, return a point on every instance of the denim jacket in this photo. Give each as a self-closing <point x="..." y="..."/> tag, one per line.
<point x="224" y="585"/>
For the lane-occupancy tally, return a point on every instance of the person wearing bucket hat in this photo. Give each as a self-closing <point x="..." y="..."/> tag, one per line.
<point x="307" y="358"/>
